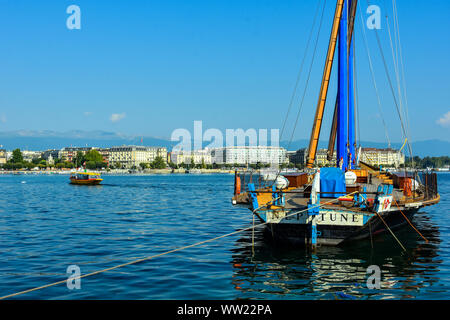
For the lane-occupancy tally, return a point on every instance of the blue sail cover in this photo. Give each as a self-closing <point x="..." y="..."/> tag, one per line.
<point x="332" y="180"/>
<point x="342" y="120"/>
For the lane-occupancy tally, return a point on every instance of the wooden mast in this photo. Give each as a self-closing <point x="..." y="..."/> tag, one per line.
<point x="313" y="142"/>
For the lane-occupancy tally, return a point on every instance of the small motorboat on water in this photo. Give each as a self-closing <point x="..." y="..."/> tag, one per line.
<point x="85" y="178"/>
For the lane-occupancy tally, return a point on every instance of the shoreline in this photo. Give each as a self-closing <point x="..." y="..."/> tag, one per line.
<point x="154" y="171"/>
<point x="120" y="172"/>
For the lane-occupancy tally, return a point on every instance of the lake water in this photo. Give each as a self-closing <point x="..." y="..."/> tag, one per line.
<point x="47" y="224"/>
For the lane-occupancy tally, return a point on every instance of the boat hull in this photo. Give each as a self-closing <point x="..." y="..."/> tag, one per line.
<point x="299" y="234"/>
<point x="90" y="182"/>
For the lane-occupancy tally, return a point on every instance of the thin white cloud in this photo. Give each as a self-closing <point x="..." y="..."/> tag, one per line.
<point x="444" y="120"/>
<point x="3" y="118"/>
<point x="115" y="117"/>
<point x="87" y="113"/>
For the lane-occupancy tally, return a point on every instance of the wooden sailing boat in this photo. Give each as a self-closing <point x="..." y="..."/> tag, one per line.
<point x="353" y="201"/>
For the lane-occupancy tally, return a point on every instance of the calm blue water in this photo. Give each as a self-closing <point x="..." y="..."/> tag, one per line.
<point x="47" y="225"/>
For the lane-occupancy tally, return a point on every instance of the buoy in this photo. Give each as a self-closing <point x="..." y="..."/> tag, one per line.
<point x="237" y="186"/>
<point x="350" y="177"/>
<point x="281" y="182"/>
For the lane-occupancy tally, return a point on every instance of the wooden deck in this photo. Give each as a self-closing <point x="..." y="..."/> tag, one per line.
<point x="298" y="197"/>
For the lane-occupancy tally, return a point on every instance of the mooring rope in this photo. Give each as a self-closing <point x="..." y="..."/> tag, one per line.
<point x="163" y="253"/>
<point x="370" y="230"/>
<point x="409" y="222"/>
<point x="392" y="233"/>
<point x="253" y="235"/>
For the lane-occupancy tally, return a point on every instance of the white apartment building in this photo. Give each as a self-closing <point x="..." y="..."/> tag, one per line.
<point x="27" y="155"/>
<point x="133" y="156"/>
<point x="372" y="156"/>
<point x="382" y="157"/>
<point x="30" y="155"/>
<point x="250" y="155"/>
<point x="198" y="156"/>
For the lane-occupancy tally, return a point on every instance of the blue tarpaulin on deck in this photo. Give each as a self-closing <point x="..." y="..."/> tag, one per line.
<point x="332" y="180"/>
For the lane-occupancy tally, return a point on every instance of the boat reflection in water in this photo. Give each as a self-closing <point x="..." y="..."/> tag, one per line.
<point x="268" y="270"/>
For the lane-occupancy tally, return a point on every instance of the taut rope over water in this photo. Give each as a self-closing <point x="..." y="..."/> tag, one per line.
<point x="163" y="253"/>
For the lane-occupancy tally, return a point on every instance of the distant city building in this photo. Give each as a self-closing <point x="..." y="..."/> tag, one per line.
<point x="69" y="153"/>
<point x="161" y="152"/>
<point x="372" y="156"/>
<point x="28" y="155"/>
<point x="291" y="155"/>
<point x="105" y="152"/>
<point x="198" y="156"/>
<point x="297" y="157"/>
<point x="2" y="156"/>
<point x="300" y="157"/>
<point x="50" y="160"/>
<point x="382" y="157"/>
<point x="322" y="158"/>
<point x="250" y="155"/>
<point x="133" y="156"/>
<point x="53" y="153"/>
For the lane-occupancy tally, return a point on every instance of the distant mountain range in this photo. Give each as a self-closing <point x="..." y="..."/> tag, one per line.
<point x="43" y="140"/>
<point x="425" y="148"/>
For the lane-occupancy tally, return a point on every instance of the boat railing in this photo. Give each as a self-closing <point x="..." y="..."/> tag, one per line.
<point x="429" y="184"/>
<point x="244" y="178"/>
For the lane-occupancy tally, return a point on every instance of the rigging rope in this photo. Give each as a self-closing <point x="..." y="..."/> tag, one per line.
<point x="373" y="78"/>
<point x="404" y="143"/>
<point x="396" y="70"/>
<point x="392" y="88"/>
<point x="309" y="76"/>
<point x="402" y="66"/>
<point x="294" y="93"/>
<point x="306" y="85"/>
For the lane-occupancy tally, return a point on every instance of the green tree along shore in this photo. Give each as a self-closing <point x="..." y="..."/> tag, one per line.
<point x="430" y="162"/>
<point x="158" y="163"/>
<point x="94" y="160"/>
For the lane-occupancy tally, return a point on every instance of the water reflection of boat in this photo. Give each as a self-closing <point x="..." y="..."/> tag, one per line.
<point x="297" y="274"/>
<point x="85" y="178"/>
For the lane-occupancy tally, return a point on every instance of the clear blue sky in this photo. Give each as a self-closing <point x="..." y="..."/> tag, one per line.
<point x="233" y="64"/>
